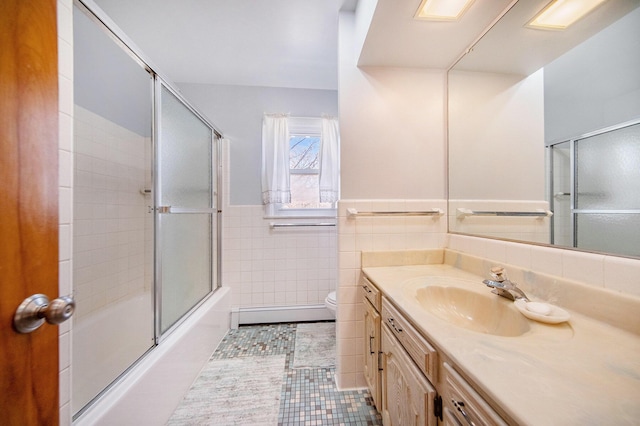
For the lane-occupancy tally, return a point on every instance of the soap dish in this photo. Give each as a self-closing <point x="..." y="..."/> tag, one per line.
<point x="556" y="316"/>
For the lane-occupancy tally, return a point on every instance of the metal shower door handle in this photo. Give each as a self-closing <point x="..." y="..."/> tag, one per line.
<point x="36" y="309"/>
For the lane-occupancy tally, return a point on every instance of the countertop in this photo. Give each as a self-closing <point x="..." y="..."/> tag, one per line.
<point x="582" y="372"/>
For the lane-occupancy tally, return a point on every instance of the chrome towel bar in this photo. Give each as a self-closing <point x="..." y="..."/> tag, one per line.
<point x="433" y="212"/>
<point x="295" y="225"/>
<point x="462" y="213"/>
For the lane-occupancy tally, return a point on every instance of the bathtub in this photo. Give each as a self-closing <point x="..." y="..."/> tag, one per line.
<point x="151" y="390"/>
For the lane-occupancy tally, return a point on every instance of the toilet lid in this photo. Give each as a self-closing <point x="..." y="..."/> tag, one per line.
<point x="331" y="298"/>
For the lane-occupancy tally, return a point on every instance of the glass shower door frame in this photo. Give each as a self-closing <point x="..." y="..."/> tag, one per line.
<point x="214" y="210"/>
<point x="575" y="211"/>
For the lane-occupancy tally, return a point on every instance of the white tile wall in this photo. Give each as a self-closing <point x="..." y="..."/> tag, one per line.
<point x="612" y="272"/>
<point x="65" y="183"/>
<point x="276" y="267"/>
<point x="510" y="227"/>
<point x="374" y="234"/>
<point x="111" y="214"/>
<point x="267" y="267"/>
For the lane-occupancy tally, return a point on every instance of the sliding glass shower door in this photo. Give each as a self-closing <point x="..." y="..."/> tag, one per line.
<point x="607" y="191"/>
<point x="596" y="191"/>
<point x="186" y="209"/>
<point x="145" y="220"/>
<point x="113" y="239"/>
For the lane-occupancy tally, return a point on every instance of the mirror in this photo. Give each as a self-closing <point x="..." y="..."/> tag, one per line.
<point x="544" y="131"/>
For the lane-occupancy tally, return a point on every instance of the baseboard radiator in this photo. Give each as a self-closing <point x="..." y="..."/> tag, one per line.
<point x="277" y="314"/>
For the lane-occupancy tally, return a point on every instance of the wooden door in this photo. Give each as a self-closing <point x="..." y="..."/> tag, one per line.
<point x="28" y="207"/>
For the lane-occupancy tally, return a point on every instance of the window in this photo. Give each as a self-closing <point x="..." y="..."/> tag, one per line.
<point x="304" y="172"/>
<point x="300" y="183"/>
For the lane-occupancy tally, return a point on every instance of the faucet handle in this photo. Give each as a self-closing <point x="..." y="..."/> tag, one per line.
<point x="498" y="273"/>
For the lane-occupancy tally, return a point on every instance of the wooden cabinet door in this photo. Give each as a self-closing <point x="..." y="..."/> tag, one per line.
<point x="28" y="207"/>
<point x="407" y="396"/>
<point x="371" y="351"/>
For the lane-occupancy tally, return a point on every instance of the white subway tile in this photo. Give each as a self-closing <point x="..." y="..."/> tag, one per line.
<point x="622" y="274"/>
<point x="546" y="260"/>
<point x="585" y="267"/>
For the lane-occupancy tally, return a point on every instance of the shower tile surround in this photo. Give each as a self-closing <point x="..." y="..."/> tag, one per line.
<point x="112" y="225"/>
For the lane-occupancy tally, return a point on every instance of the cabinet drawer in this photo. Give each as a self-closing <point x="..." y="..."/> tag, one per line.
<point x="423" y="354"/>
<point x="371" y="292"/>
<point x="466" y="404"/>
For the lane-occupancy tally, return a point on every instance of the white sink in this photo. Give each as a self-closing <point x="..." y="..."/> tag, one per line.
<point x="479" y="312"/>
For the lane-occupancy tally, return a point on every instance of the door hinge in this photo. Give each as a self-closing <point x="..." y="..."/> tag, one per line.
<point x="380" y="361"/>
<point x="437" y="406"/>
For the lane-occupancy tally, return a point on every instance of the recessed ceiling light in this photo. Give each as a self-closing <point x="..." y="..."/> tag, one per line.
<point x="559" y="14"/>
<point x="442" y="10"/>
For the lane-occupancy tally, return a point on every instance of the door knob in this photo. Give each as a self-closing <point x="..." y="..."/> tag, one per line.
<point x="36" y="309"/>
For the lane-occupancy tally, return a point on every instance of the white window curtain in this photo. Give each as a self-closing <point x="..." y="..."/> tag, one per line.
<point x="329" y="161"/>
<point x="275" y="159"/>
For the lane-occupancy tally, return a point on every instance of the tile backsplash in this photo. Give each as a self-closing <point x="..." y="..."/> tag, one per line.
<point x="611" y="272"/>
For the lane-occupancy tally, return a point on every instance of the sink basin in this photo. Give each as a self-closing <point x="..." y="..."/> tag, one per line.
<point x="483" y="313"/>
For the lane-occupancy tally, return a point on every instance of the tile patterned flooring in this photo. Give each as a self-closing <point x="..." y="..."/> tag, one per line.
<point x="309" y="396"/>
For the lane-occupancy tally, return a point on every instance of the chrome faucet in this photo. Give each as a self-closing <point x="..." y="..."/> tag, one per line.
<point x="504" y="287"/>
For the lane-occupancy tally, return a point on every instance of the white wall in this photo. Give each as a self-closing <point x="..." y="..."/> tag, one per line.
<point x="237" y="112"/>
<point x="596" y="84"/>
<point x="392" y="158"/>
<point x="496" y="136"/>
<point x="268" y="270"/>
<point x="496" y="153"/>
<point x="107" y="80"/>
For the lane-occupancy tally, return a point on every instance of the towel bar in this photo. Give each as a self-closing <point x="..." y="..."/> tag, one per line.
<point x="433" y="212"/>
<point x="462" y="213"/>
<point x="294" y="225"/>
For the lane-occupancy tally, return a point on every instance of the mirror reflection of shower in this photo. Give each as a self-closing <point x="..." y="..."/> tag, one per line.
<point x="595" y="188"/>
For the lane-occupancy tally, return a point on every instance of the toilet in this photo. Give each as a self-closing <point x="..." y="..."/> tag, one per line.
<point x="330" y="302"/>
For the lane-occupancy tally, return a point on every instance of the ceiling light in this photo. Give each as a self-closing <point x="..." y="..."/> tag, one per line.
<point x="559" y="14"/>
<point x="442" y="10"/>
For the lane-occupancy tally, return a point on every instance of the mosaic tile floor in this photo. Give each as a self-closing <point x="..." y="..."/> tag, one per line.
<point x="309" y="395"/>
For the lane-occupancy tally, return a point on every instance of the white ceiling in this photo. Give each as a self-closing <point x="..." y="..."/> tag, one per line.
<point x="511" y="47"/>
<point x="294" y="43"/>
<point x="395" y="38"/>
<point x="275" y="43"/>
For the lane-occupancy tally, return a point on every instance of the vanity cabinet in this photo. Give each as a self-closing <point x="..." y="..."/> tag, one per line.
<point x="372" y="340"/>
<point x="411" y="384"/>
<point x="372" y="351"/>
<point x="407" y="396"/>
<point x="410" y="367"/>
<point x="464" y="404"/>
